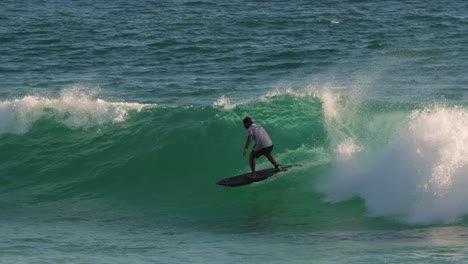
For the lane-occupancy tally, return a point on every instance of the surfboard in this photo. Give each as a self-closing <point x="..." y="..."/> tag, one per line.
<point x="242" y="179"/>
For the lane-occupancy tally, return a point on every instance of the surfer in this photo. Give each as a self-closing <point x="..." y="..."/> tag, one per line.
<point x="263" y="145"/>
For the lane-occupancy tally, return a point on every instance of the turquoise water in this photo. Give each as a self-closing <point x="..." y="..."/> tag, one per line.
<point x="117" y="119"/>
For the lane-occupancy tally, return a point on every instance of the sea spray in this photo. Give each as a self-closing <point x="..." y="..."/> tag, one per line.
<point x="420" y="177"/>
<point x="224" y="102"/>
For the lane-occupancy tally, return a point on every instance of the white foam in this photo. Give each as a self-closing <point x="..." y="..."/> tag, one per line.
<point x="421" y="178"/>
<point x="75" y="108"/>
<point x="330" y="107"/>
<point x="309" y="91"/>
<point x="347" y="149"/>
<point x="225" y="103"/>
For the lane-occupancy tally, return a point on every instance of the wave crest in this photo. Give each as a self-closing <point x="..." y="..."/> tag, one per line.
<point x="73" y="108"/>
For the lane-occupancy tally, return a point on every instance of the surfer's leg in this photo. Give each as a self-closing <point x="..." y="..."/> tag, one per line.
<point x="270" y="157"/>
<point x="252" y="163"/>
<point x="273" y="161"/>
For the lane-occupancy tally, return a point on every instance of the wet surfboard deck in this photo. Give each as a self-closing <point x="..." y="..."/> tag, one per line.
<point x="243" y="179"/>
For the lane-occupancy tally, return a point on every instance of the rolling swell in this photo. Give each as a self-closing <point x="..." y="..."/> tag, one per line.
<point x="164" y="160"/>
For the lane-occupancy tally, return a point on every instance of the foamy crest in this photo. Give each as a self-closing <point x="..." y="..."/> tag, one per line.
<point x="73" y="108"/>
<point x="305" y="92"/>
<point x="227" y="103"/>
<point x="224" y="102"/>
<point x="422" y="178"/>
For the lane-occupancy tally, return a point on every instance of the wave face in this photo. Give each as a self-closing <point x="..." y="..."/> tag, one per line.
<point x="403" y="161"/>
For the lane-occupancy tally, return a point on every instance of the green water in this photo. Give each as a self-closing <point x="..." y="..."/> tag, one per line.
<point x="118" y="118"/>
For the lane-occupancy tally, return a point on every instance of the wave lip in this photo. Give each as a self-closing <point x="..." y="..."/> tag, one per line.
<point x="74" y="108"/>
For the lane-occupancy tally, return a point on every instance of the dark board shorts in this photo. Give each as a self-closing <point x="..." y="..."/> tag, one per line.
<point x="263" y="151"/>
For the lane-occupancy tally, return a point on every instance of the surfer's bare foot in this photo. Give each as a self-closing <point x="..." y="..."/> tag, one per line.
<point x="280" y="168"/>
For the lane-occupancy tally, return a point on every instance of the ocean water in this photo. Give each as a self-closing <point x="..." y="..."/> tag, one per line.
<point x="118" y="117"/>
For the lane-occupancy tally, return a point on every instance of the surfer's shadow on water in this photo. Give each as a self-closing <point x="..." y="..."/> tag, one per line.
<point x="265" y="205"/>
<point x="260" y="215"/>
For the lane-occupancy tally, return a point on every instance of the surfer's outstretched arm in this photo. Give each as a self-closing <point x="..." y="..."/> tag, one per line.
<point x="247" y="144"/>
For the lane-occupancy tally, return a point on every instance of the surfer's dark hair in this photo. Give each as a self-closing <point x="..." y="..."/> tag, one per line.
<point x="247" y="120"/>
